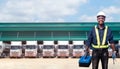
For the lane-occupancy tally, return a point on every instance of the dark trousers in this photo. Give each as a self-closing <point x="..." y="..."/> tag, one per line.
<point x="100" y="54"/>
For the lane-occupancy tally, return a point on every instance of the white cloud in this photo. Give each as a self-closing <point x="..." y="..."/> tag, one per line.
<point x="86" y="18"/>
<point x="112" y="10"/>
<point x="109" y="19"/>
<point x="112" y="13"/>
<point x="39" y="10"/>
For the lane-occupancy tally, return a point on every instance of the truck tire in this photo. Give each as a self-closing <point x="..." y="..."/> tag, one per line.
<point x="3" y="55"/>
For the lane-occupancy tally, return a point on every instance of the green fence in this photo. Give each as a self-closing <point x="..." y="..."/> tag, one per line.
<point x="51" y="31"/>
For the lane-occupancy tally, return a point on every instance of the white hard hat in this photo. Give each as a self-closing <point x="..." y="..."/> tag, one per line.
<point x="101" y="13"/>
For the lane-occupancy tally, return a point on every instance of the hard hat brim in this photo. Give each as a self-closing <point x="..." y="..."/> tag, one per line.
<point x="101" y="16"/>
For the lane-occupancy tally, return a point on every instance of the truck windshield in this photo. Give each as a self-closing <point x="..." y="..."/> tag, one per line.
<point x="63" y="47"/>
<point x="78" y="47"/>
<point x="15" y="47"/>
<point x="30" y="47"/>
<point x="48" y="47"/>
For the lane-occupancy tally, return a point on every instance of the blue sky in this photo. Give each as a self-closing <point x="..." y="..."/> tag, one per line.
<point x="58" y="10"/>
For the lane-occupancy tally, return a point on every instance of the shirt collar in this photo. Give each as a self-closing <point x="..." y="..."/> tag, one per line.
<point x="103" y="26"/>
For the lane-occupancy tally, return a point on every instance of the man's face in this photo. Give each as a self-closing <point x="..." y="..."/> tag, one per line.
<point x="101" y="19"/>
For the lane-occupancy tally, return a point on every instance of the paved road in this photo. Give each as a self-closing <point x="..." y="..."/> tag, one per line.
<point x="48" y="63"/>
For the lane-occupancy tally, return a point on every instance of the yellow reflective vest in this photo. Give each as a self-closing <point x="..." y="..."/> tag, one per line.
<point x="98" y="38"/>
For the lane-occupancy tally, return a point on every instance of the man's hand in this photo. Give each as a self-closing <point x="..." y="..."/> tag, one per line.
<point x="86" y="53"/>
<point x="114" y="54"/>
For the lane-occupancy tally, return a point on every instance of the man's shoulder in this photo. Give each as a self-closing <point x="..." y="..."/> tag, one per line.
<point x="92" y="29"/>
<point x="108" y="28"/>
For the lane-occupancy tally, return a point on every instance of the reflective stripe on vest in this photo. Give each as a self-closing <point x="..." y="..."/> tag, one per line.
<point x="98" y="38"/>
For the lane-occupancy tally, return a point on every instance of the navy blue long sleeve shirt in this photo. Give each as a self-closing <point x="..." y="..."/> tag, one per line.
<point x="92" y="37"/>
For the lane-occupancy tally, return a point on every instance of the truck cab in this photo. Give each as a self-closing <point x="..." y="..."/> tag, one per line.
<point x="109" y="51"/>
<point x="63" y="49"/>
<point x="6" y="51"/>
<point x="78" y="49"/>
<point x="16" y="49"/>
<point x="118" y="49"/>
<point x="48" y="49"/>
<point x="31" y="49"/>
<point x="2" y="47"/>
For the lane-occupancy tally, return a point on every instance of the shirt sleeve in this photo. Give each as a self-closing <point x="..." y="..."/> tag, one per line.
<point x="110" y="37"/>
<point x="90" y="37"/>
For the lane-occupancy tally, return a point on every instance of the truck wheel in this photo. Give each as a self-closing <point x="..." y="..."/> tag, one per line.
<point x="37" y="55"/>
<point x="58" y="56"/>
<point x="3" y="55"/>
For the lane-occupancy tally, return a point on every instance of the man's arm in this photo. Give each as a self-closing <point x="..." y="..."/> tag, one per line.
<point x="112" y="46"/>
<point x="89" y="41"/>
<point x="88" y="49"/>
<point x="111" y="41"/>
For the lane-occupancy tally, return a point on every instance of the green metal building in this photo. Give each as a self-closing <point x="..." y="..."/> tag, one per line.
<point x="51" y="31"/>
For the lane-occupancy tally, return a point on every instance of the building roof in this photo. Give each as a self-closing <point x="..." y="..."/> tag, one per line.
<point x="51" y="31"/>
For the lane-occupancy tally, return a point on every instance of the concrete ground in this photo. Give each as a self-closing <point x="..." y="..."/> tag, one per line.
<point x="49" y="63"/>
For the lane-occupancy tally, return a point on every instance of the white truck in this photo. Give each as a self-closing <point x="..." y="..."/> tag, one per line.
<point x="118" y="47"/>
<point x="2" y="47"/>
<point x="31" y="49"/>
<point x="119" y="51"/>
<point x="48" y="49"/>
<point x="6" y="50"/>
<point x="16" y="49"/>
<point x="78" y="49"/>
<point x="63" y="49"/>
<point x="110" y="51"/>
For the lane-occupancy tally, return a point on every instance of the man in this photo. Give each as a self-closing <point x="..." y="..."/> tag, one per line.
<point x="98" y="38"/>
